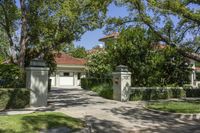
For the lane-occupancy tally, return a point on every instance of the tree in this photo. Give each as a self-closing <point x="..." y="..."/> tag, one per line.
<point x="45" y="26"/>
<point x="171" y="21"/>
<point x="150" y="64"/>
<point x="98" y="64"/>
<point x="4" y="49"/>
<point x="79" y="52"/>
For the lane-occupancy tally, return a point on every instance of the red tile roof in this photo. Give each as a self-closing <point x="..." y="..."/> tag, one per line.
<point x="113" y="35"/>
<point x="65" y="59"/>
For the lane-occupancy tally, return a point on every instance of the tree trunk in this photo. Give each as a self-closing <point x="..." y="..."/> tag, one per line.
<point x="24" y="34"/>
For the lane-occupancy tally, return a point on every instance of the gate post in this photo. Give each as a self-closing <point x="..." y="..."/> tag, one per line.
<point x="121" y="83"/>
<point x="37" y="82"/>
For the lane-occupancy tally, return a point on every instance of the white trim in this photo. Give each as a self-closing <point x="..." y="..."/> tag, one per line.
<point x="71" y="66"/>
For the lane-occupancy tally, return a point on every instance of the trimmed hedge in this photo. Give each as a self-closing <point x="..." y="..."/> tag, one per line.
<point x="14" y="98"/>
<point x="104" y="90"/>
<point x="156" y="93"/>
<point x="192" y="92"/>
<point x="142" y="93"/>
<point x="103" y="87"/>
<point x="88" y="83"/>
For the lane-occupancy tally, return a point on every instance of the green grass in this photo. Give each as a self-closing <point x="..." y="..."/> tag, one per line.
<point x="176" y="106"/>
<point x="35" y="122"/>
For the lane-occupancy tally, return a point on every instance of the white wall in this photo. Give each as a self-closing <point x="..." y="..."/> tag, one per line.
<point x="72" y="80"/>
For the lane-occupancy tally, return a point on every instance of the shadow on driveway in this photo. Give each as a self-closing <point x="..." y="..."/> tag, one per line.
<point x="107" y="116"/>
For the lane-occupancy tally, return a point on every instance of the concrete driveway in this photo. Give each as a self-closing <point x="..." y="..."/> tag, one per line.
<point x="108" y="116"/>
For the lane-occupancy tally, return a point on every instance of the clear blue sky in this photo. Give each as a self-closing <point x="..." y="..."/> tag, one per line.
<point x="90" y="38"/>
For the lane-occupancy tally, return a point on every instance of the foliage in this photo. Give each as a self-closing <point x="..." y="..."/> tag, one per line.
<point x="88" y="83"/>
<point x="44" y="26"/>
<point x="38" y="122"/>
<point x="156" y="93"/>
<point x="11" y="76"/>
<point x="153" y="93"/>
<point x="176" y="106"/>
<point x="98" y="64"/>
<point x="4" y="46"/>
<point x="192" y="92"/>
<point x="14" y="98"/>
<point x="104" y="90"/>
<point x="151" y="63"/>
<point x="78" y="52"/>
<point x="171" y="21"/>
<point x="103" y="86"/>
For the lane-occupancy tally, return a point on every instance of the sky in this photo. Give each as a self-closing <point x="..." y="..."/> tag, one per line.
<point x="90" y="38"/>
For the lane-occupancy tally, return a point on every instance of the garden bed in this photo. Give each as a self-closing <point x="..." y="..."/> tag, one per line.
<point x="36" y="122"/>
<point x="179" y="106"/>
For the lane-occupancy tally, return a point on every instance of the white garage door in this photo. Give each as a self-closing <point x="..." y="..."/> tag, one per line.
<point x="66" y="79"/>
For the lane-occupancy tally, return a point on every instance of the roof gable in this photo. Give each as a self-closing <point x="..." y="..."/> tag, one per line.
<point x="66" y="59"/>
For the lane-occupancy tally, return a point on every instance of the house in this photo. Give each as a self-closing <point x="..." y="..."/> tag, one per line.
<point x="69" y="70"/>
<point x="109" y="39"/>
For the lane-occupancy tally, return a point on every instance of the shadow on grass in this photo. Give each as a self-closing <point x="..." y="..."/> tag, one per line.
<point x="36" y="122"/>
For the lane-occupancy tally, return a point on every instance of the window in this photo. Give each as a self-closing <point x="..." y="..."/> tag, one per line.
<point x="79" y="75"/>
<point x="65" y="74"/>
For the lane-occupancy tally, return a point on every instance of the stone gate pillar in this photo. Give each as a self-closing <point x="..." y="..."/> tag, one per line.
<point x="37" y="82"/>
<point x="121" y="83"/>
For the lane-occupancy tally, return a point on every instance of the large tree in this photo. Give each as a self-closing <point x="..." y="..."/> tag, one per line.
<point x="43" y="26"/>
<point x="4" y="50"/>
<point x="175" y="22"/>
<point x="151" y="64"/>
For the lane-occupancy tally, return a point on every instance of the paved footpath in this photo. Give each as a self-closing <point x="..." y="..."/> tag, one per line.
<point x="108" y="116"/>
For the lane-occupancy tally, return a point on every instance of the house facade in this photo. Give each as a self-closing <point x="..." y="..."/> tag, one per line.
<point x="69" y="71"/>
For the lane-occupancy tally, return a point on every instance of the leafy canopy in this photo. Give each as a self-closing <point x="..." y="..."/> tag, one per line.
<point x="35" y="27"/>
<point x="151" y="64"/>
<point x="175" y="22"/>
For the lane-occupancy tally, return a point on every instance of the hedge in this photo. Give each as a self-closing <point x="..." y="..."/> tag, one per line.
<point x="11" y="76"/>
<point x="14" y="98"/>
<point x="192" y="92"/>
<point x="103" y="87"/>
<point x="88" y="83"/>
<point x="104" y="90"/>
<point x="142" y="93"/>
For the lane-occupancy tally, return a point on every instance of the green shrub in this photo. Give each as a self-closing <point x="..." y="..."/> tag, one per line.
<point x="156" y="93"/>
<point x="192" y="92"/>
<point x="104" y="90"/>
<point x="11" y="76"/>
<point x="14" y="98"/>
<point x="88" y="83"/>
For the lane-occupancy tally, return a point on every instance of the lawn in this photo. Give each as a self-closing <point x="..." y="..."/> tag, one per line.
<point x="176" y="106"/>
<point x="35" y="122"/>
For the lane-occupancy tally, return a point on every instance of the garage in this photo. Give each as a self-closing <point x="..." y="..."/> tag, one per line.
<point x="69" y="71"/>
<point x="66" y="78"/>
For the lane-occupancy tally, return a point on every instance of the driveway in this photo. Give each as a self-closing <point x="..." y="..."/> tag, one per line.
<point x="108" y="116"/>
